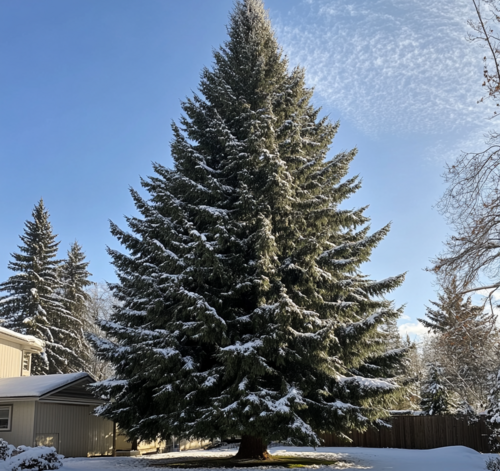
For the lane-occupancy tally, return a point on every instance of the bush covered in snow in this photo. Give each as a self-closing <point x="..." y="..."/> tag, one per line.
<point x="40" y="458"/>
<point x="493" y="464"/>
<point x="6" y="450"/>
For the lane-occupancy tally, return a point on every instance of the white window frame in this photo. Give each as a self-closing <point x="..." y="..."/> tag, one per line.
<point x="9" y="424"/>
<point x="28" y="371"/>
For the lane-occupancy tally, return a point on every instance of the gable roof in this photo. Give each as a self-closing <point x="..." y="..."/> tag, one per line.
<point x="29" y="342"/>
<point x="67" y="388"/>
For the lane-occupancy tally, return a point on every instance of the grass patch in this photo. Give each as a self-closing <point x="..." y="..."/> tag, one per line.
<point x="276" y="461"/>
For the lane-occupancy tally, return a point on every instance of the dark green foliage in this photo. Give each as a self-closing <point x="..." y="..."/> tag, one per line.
<point x="74" y="281"/>
<point x="405" y="369"/>
<point x="34" y="303"/>
<point x="243" y="308"/>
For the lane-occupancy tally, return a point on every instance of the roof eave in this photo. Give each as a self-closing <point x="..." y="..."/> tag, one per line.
<point x="32" y="346"/>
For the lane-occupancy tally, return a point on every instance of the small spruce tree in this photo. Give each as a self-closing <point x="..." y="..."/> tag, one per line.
<point x="243" y="310"/>
<point x="465" y="410"/>
<point x="33" y="304"/>
<point x="393" y="340"/>
<point x="403" y="370"/>
<point x="414" y="369"/>
<point x="436" y="396"/>
<point x="441" y="316"/>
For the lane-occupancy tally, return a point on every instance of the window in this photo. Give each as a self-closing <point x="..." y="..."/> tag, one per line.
<point x="26" y="362"/>
<point x="5" y="418"/>
<point x="47" y="439"/>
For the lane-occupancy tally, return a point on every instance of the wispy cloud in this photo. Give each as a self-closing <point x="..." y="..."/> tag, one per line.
<point x="392" y="65"/>
<point x="487" y="292"/>
<point x="482" y="297"/>
<point x="415" y="330"/>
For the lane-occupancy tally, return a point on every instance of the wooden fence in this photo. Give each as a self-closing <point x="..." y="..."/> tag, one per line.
<point x="419" y="432"/>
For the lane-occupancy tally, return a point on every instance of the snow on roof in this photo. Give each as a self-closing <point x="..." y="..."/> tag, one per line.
<point x="33" y="342"/>
<point x="37" y="386"/>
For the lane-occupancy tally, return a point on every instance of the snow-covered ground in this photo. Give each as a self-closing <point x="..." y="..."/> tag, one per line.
<point x="454" y="458"/>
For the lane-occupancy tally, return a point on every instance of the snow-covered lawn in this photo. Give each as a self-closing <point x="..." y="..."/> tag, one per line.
<point x="454" y="458"/>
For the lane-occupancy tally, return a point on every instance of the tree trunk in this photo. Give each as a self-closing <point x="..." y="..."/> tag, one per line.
<point x="114" y="439"/>
<point x="252" y="448"/>
<point x="135" y="444"/>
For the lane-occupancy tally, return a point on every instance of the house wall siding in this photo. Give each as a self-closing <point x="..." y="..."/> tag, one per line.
<point x="11" y="357"/>
<point x="100" y="436"/>
<point x="185" y="445"/>
<point x="70" y="422"/>
<point x="80" y="433"/>
<point x="23" y="416"/>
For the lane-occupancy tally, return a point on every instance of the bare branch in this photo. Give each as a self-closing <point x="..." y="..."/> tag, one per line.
<point x="487" y="37"/>
<point x="479" y="288"/>
<point x="471" y="203"/>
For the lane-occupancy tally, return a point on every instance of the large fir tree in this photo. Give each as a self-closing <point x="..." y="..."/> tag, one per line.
<point x="243" y="308"/>
<point x="33" y="304"/>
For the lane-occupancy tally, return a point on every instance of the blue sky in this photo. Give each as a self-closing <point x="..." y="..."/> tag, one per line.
<point x="89" y="90"/>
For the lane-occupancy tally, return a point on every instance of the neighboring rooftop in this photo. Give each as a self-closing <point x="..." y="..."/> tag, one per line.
<point x="65" y="387"/>
<point x="32" y="343"/>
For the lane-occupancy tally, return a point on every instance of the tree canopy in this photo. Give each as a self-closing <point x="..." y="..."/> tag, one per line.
<point x="243" y="309"/>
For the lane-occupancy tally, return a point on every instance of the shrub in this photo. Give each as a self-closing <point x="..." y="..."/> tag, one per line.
<point x="6" y="450"/>
<point x="40" y="458"/>
<point x="493" y="464"/>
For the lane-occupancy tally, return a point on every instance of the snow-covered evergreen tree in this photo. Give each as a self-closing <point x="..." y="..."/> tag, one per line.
<point x="414" y="371"/>
<point x="450" y="311"/>
<point x="465" y="344"/>
<point x="74" y="276"/>
<point x="395" y="345"/>
<point x="243" y="307"/>
<point x="464" y="409"/>
<point x="437" y="397"/>
<point x="33" y="304"/>
<point x="393" y="339"/>
<point x="406" y="371"/>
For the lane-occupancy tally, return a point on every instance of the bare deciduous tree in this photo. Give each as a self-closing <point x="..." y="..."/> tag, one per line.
<point x="464" y="344"/>
<point x="471" y="202"/>
<point x="99" y="307"/>
<point x="486" y="32"/>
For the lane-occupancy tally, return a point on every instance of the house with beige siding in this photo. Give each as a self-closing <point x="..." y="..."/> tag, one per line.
<point x="58" y="410"/>
<point x="15" y="353"/>
<point x="51" y="410"/>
